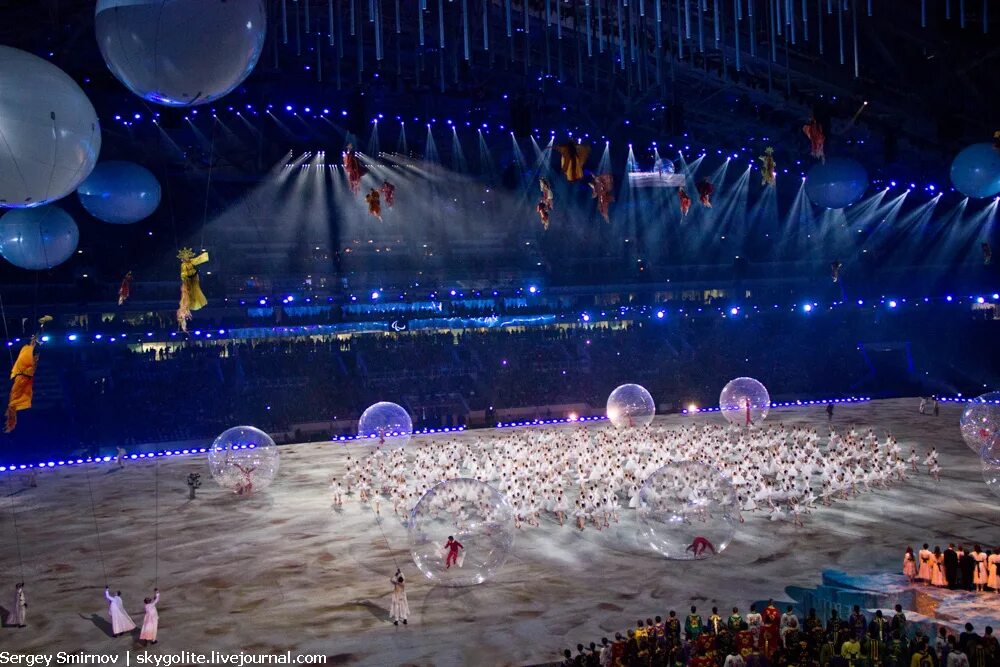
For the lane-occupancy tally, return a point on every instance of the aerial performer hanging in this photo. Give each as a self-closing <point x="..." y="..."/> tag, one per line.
<point x="546" y="188"/>
<point x="603" y="191"/>
<point x="374" y="203"/>
<point x="987" y="253"/>
<point x="835" y="270"/>
<point x="573" y="157"/>
<point x="354" y="170"/>
<point x="814" y="130"/>
<point x="23" y="376"/>
<point x="388" y="191"/>
<point x="192" y="298"/>
<point x="543" y="210"/>
<point x="685" y="200"/>
<point x="125" y="289"/>
<point x="996" y="141"/>
<point x="705" y="192"/>
<point x="768" y="168"/>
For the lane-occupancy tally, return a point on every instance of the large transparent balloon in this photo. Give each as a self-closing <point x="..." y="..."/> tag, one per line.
<point x="980" y="421"/>
<point x="120" y="192"/>
<point x="836" y="183"/>
<point x="631" y="405"/>
<point x="386" y="422"/>
<point x="975" y="172"/>
<point x="991" y="474"/>
<point x="744" y="401"/>
<point x="473" y="514"/>
<point x="244" y="460"/>
<point x="49" y="134"/>
<point x="180" y="52"/>
<point x="687" y="511"/>
<point x="38" y="238"/>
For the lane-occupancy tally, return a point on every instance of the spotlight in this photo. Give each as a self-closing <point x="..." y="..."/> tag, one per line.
<point x="807" y="308"/>
<point x="660" y="314"/>
<point x="892" y="304"/>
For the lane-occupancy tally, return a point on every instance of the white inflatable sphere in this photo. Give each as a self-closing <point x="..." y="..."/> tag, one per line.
<point x="49" y="134"/>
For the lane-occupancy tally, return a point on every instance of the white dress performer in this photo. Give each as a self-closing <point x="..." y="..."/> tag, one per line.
<point x="18" y="612"/>
<point x="400" y="609"/>
<point x="121" y="622"/>
<point x="151" y="621"/>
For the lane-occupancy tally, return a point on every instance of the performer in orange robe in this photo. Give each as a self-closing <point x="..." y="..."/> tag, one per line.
<point x="543" y="212"/>
<point x="388" y="191"/>
<point x="814" y="131"/>
<point x="573" y="157"/>
<point x="23" y="375"/>
<point x="354" y="170"/>
<point x="685" y="201"/>
<point x="125" y="288"/>
<point x="769" y="634"/>
<point x="603" y="191"/>
<point x="374" y="203"/>
<point x="705" y="191"/>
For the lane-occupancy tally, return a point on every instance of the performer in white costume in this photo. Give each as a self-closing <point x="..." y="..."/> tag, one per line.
<point x="400" y="609"/>
<point x="151" y="620"/>
<point x="121" y="622"/>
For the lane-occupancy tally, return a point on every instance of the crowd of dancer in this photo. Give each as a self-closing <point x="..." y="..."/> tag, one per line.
<point x="769" y="638"/>
<point x="586" y="476"/>
<point x="955" y="568"/>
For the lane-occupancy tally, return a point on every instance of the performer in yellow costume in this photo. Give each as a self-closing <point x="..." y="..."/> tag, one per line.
<point x="192" y="298"/>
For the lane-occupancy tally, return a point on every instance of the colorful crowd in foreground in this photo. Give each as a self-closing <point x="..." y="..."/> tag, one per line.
<point x="769" y="638"/>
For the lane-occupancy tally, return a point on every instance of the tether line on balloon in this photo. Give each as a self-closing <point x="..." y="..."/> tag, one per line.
<point x="156" y="524"/>
<point x="6" y="331"/>
<point x="17" y="532"/>
<point x="97" y="529"/>
<point x="378" y="522"/>
<point x="208" y="181"/>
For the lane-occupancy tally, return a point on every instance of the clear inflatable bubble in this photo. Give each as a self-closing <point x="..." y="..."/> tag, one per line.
<point x="120" y="192"/>
<point x="386" y="422"/>
<point x="180" y="52"/>
<point x="51" y="137"/>
<point x="244" y="460"/>
<point x="744" y="401"/>
<point x="631" y="405"/>
<point x="38" y="238"/>
<point x="476" y="516"/>
<point x="687" y="511"/>
<point x="980" y="421"/>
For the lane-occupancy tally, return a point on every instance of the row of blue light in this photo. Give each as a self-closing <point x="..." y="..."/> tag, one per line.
<point x="693" y="410"/>
<point x="317" y="113"/>
<point x="659" y="314"/>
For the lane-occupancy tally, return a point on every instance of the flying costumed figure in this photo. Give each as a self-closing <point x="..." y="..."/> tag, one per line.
<point x="388" y="191"/>
<point x="124" y="290"/>
<point x="603" y="187"/>
<point x="814" y="130"/>
<point x="374" y="203"/>
<point x="354" y="169"/>
<point x="543" y="210"/>
<point x="573" y="157"/>
<point x="192" y="298"/>
<point x="705" y="192"/>
<point x="768" y="168"/>
<point x="546" y="187"/>
<point x="685" y="200"/>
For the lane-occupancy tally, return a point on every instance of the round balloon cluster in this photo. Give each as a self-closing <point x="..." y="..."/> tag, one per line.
<point x="836" y="183"/>
<point x="38" y="238"/>
<point x="51" y="137"/>
<point x="244" y="460"/>
<point x="744" y="401"/>
<point x="183" y="52"/>
<point x="120" y="192"/>
<point x="975" y="172"/>
<point x="687" y="511"/>
<point x="387" y="423"/>
<point x="631" y="405"/>
<point x="461" y="532"/>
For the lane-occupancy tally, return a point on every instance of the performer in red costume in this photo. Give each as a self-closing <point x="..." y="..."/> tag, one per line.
<point x="769" y="635"/>
<point x="817" y="138"/>
<point x="699" y="545"/>
<point x="453" y="547"/>
<point x="125" y="289"/>
<point x="685" y="201"/>
<point x="388" y="191"/>
<point x="705" y="191"/>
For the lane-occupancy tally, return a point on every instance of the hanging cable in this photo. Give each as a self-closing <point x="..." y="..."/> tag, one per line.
<point x="156" y="524"/>
<point x="97" y="529"/>
<point x="378" y="522"/>
<point x="208" y="181"/>
<point x="17" y="532"/>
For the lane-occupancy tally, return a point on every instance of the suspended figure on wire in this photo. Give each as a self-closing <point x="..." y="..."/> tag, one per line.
<point x="125" y="289"/>
<point x="705" y="192"/>
<point x="354" y="170"/>
<point x="835" y="270"/>
<point x="768" y="168"/>
<point x="192" y="298"/>
<point x="574" y="155"/>
<point x="685" y="200"/>
<point x="543" y="210"/>
<point x="388" y="191"/>
<point x="603" y="191"/>
<point x="374" y="200"/>
<point x="22" y="375"/>
<point x="814" y="130"/>
<point x="996" y="141"/>
<point x="546" y="187"/>
<point x="987" y="253"/>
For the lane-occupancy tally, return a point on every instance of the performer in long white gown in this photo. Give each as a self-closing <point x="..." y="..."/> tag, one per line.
<point x="121" y="622"/>
<point x="400" y="608"/>
<point x="151" y="620"/>
<point x="19" y="611"/>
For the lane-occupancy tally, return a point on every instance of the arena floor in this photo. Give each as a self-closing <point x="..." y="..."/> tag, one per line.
<point x="282" y="571"/>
